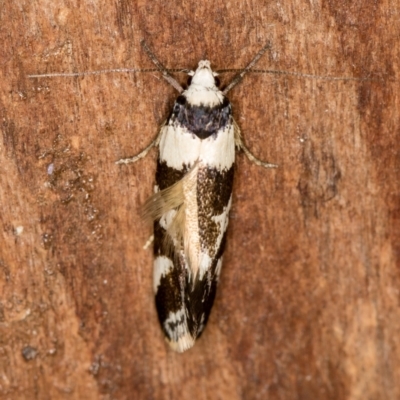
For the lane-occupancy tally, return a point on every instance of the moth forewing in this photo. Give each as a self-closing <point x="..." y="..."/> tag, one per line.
<point x="190" y="208"/>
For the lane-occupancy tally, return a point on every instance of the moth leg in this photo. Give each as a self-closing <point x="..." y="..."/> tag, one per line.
<point x="240" y="145"/>
<point x="143" y="153"/>
<point x="150" y="240"/>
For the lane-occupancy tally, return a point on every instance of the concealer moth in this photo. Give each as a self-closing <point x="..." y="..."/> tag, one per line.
<point x="193" y="196"/>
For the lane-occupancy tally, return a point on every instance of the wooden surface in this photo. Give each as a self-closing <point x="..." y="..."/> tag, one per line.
<point x="308" y="302"/>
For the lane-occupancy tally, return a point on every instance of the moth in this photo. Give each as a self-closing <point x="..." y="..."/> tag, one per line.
<point x="192" y="200"/>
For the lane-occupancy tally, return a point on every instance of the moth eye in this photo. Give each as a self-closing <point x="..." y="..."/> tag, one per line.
<point x="189" y="80"/>
<point x="217" y="81"/>
<point x="180" y="100"/>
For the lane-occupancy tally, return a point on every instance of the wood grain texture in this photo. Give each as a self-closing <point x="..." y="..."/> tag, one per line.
<point x="308" y="303"/>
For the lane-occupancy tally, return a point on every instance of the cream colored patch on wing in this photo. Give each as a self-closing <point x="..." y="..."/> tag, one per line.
<point x="218" y="268"/>
<point x="162" y="266"/>
<point x="185" y="342"/>
<point x="179" y="147"/>
<point x="178" y="332"/>
<point x="191" y="238"/>
<point x="204" y="264"/>
<point x="219" y="152"/>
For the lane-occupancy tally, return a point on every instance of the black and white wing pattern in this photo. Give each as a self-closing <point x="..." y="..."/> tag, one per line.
<point x="193" y="196"/>
<point x="191" y="206"/>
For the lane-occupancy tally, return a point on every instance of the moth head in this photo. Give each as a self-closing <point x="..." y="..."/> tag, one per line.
<point x="204" y="76"/>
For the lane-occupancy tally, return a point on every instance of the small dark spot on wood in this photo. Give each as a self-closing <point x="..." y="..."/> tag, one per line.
<point x="29" y="353"/>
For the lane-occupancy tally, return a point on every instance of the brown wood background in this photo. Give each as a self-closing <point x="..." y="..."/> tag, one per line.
<point x="308" y="303"/>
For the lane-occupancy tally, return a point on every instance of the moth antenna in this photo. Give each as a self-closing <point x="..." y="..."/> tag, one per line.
<point x="240" y="144"/>
<point x="144" y="152"/>
<point x="311" y="76"/>
<point x="161" y="68"/>
<point x="300" y="75"/>
<point x="253" y="62"/>
<point x="99" y="72"/>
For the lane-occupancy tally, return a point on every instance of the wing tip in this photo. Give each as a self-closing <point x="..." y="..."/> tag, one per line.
<point x="185" y="342"/>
